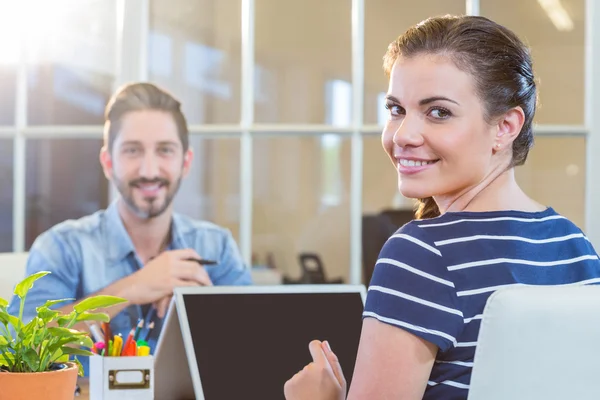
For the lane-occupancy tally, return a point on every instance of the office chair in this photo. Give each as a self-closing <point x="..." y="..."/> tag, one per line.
<point x="313" y="271"/>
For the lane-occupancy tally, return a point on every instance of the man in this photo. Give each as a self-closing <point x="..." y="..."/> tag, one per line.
<point x="137" y="248"/>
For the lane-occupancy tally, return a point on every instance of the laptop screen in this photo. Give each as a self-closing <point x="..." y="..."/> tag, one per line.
<point x="249" y="345"/>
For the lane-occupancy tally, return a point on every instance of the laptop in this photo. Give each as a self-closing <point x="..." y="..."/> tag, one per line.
<point x="226" y="342"/>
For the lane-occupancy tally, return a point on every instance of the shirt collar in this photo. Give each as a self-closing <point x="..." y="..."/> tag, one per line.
<point x="177" y="236"/>
<point x="119" y="244"/>
<point x="117" y="238"/>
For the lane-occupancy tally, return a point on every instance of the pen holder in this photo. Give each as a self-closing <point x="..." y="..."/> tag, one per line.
<point x="118" y="378"/>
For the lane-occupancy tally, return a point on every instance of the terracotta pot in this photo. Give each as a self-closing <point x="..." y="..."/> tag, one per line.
<point x="51" y="385"/>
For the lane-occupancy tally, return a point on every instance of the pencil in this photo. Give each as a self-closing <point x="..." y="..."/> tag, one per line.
<point x="150" y="327"/>
<point x="127" y="342"/>
<point x="107" y="332"/>
<point x="139" y="327"/>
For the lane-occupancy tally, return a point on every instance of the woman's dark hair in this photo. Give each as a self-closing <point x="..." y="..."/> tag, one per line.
<point x="496" y="58"/>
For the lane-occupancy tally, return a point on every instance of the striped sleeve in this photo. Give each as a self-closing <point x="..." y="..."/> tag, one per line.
<point x="410" y="289"/>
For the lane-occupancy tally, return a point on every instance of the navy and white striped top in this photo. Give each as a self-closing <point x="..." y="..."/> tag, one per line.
<point x="433" y="278"/>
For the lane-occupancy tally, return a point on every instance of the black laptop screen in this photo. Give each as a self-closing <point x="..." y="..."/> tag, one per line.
<point x="248" y="345"/>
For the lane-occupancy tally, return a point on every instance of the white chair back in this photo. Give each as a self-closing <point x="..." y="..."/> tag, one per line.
<point x="12" y="271"/>
<point x="539" y="342"/>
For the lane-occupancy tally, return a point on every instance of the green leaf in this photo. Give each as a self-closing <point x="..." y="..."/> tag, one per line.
<point x="79" y="366"/>
<point x="15" y="322"/>
<point x="50" y="303"/>
<point x="39" y="337"/>
<point x="46" y="314"/>
<point x="3" y="341"/>
<point x="4" y="330"/>
<point x="6" y="318"/>
<point x="7" y="359"/>
<point x="86" y="341"/>
<point x="23" y="287"/>
<point x="75" y="351"/>
<point x="3" y="302"/>
<point x="28" y="329"/>
<point x="53" y="351"/>
<point x="63" y="320"/>
<point x="61" y="342"/>
<point x="95" y="302"/>
<point x="65" y="333"/>
<point x="54" y="357"/>
<point x="86" y="316"/>
<point x="30" y="356"/>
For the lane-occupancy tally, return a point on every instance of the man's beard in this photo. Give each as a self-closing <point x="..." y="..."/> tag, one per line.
<point x="153" y="209"/>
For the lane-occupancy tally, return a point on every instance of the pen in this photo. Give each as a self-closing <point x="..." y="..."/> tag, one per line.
<point x="202" y="261"/>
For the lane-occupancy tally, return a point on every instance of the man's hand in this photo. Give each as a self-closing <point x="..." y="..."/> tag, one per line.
<point x="322" y="379"/>
<point x="157" y="279"/>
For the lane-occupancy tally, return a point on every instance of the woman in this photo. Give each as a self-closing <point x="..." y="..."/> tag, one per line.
<point x="461" y="102"/>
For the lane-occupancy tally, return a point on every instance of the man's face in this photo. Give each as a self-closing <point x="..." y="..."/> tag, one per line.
<point x="147" y="162"/>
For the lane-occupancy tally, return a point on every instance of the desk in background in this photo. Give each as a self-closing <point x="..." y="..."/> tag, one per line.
<point x="266" y="276"/>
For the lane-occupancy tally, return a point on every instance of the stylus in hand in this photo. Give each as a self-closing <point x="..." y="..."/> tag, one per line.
<point x="202" y="261"/>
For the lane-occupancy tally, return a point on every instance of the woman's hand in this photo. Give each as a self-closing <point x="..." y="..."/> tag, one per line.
<point x="322" y="379"/>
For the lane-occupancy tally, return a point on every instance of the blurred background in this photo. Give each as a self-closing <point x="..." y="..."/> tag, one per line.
<point x="285" y="102"/>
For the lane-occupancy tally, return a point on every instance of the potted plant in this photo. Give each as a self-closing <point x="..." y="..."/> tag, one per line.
<point x="34" y="356"/>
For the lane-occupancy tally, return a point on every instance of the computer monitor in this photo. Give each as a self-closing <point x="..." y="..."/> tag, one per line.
<point x="247" y="341"/>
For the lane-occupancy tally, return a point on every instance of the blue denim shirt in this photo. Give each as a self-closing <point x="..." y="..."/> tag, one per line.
<point x="88" y="254"/>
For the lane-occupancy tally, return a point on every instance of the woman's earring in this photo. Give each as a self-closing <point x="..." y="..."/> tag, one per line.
<point x="497" y="146"/>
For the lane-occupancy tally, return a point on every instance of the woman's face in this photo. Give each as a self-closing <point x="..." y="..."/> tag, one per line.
<point x="436" y="135"/>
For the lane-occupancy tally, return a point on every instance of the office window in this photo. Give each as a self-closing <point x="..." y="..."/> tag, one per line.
<point x="384" y="22"/>
<point x="331" y="184"/>
<point x="194" y="50"/>
<point x="6" y="194"/>
<point x="339" y="104"/>
<point x="554" y="175"/>
<point x="302" y="49"/>
<point x="555" y="31"/>
<point x="211" y="191"/>
<point x="8" y="83"/>
<point x="64" y="180"/>
<point x="71" y="56"/>
<point x="289" y="217"/>
<point x="380" y="180"/>
<point x="382" y="113"/>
